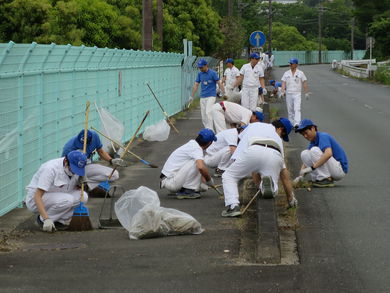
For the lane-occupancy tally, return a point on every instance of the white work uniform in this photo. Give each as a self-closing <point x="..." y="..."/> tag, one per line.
<point x="229" y="113"/>
<point x="271" y="61"/>
<point x="331" y="168"/>
<point x="218" y="154"/>
<point x="205" y="110"/>
<point x="232" y="93"/>
<point x="293" y="94"/>
<point x="250" y="85"/>
<point x="180" y="169"/>
<point x="255" y="158"/>
<point x="61" y="194"/>
<point x="97" y="173"/>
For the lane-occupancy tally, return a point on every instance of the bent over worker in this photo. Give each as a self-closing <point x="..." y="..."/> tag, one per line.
<point x="324" y="159"/>
<point x="208" y="79"/>
<point x="185" y="167"/>
<point x="225" y="113"/>
<point x="94" y="173"/>
<point x="53" y="192"/>
<point x="264" y="160"/>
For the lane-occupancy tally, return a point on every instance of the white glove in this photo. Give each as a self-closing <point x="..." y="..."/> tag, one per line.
<point x="118" y="162"/>
<point x="190" y="99"/>
<point x="210" y="182"/>
<point x="293" y="202"/>
<point x="297" y="180"/>
<point x="304" y="171"/>
<point x="48" y="226"/>
<point x="264" y="91"/>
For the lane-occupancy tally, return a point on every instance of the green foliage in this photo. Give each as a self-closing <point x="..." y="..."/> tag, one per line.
<point x="337" y="44"/>
<point x="379" y="29"/>
<point x="234" y="34"/>
<point x="382" y="75"/>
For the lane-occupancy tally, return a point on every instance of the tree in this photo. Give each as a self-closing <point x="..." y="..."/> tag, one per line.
<point x="234" y="40"/>
<point x="379" y="29"/>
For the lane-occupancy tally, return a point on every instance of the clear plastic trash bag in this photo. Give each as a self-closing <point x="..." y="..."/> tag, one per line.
<point x="157" y="132"/>
<point x="140" y="214"/>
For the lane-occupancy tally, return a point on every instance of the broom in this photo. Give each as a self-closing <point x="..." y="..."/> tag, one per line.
<point x="80" y="219"/>
<point x="105" y="185"/>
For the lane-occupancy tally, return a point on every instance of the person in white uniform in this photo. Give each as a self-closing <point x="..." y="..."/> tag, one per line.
<point x="251" y="77"/>
<point x="229" y="78"/>
<point x="208" y="79"/>
<point x="226" y="113"/>
<point x="184" y="169"/>
<point x="53" y="192"/>
<point x="292" y="82"/>
<point x="219" y="153"/>
<point x="324" y="159"/>
<point x="263" y="158"/>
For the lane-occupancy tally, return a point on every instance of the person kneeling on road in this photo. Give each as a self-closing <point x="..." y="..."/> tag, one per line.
<point x="95" y="173"/>
<point x="324" y="158"/>
<point x="185" y="167"/>
<point x="53" y="192"/>
<point x="264" y="159"/>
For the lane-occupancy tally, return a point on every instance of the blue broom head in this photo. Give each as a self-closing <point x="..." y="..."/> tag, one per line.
<point x="104" y="185"/>
<point x="81" y="211"/>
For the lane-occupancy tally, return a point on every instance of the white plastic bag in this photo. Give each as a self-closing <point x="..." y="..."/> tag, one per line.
<point x="140" y="214"/>
<point x="157" y="132"/>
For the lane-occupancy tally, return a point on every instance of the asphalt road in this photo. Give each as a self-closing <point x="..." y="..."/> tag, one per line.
<point x="342" y="240"/>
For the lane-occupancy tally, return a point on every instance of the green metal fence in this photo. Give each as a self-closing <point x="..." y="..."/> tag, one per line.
<point x="43" y="91"/>
<point x="311" y="57"/>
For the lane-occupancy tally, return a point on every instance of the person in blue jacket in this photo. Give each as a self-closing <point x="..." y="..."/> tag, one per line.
<point x="94" y="173"/>
<point x="324" y="159"/>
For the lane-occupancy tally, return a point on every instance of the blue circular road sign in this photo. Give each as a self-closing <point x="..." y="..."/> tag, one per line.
<point x="257" y="39"/>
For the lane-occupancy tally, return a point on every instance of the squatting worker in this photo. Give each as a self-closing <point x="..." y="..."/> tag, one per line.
<point x="292" y="82"/>
<point x="226" y="113"/>
<point x="184" y="169"/>
<point x="53" y="192"/>
<point x="251" y="77"/>
<point x="324" y="158"/>
<point x="94" y="173"/>
<point x="264" y="160"/>
<point x="229" y="79"/>
<point x="208" y="80"/>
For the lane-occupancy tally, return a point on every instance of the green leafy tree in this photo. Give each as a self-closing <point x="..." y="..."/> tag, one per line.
<point x="235" y="38"/>
<point x="379" y="29"/>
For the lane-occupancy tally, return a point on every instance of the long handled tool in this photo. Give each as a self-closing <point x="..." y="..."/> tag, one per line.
<point x="165" y="113"/>
<point x="250" y="202"/>
<point x="80" y="220"/>
<point x="105" y="185"/>
<point x="215" y="187"/>
<point x="120" y="145"/>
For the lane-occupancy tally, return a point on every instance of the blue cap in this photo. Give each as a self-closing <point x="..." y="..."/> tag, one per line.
<point x="207" y="135"/>
<point x="229" y="60"/>
<point x="255" y="56"/>
<point x="271" y="81"/>
<point x="259" y="115"/>
<point x="77" y="161"/>
<point x="304" y="124"/>
<point x="287" y="126"/>
<point x="293" y="61"/>
<point x="80" y="136"/>
<point x="202" y="62"/>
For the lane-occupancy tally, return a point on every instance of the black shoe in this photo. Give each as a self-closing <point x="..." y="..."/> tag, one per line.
<point x="39" y="222"/>
<point x="60" y="226"/>
<point x="323" y="183"/>
<point x="234" y="212"/>
<point x="186" y="193"/>
<point x="218" y="172"/>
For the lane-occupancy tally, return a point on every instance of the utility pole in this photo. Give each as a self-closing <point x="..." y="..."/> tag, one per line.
<point x="160" y="21"/>
<point x="352" y="36"/>
<point x="269" y="25"/>
<point x="320" y="11"/>
<point x="147" y="25"/>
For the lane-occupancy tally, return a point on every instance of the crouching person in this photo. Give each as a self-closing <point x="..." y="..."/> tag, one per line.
<point x="53" y="192"/>
<point x="264" y="159"/>
<point x="185" y="167"/>
<point x="324" y="159"/>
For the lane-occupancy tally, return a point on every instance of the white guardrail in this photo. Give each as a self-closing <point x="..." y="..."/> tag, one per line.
<point x="352" y="67"/>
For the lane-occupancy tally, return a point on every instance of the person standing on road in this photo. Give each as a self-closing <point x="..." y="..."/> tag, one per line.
<point x="251" y="77"/>
<point x="264" y="159"/>
<point x="53" y="192"/>
<point x="226" y="113"/>
<point x="324" y="159"/>
<point x="229" y="78"/>
<point x="95" y="173"/>
<point x="208" y="80"/>
<point x="292" y="82"/>
<point x="185" y="167"/>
